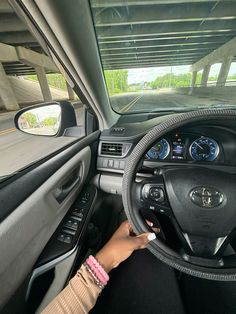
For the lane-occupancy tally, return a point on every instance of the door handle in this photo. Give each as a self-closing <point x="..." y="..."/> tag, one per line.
<point x="62" y="192"/>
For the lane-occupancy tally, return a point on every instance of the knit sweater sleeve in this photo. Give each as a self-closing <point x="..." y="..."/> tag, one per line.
<point x="79" y="296"/>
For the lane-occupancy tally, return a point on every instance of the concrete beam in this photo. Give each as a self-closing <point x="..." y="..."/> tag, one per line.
<point x="226" y="50"/>
<point x="157" y="52"/>
<point x="137" y="61"/>
<point x="35" y="59"/>
<point x="224" y="71"/>
<point x="71" y="94"/>
<point x="10" y="23"/>
<point x="7" y="97"/>
<point x="122" y="3"/>
<point x="17" y="38"/>
<point x="157" y="14"/>
<point x="205" y="75"/>
<point x="147" y="65"/>
<point x="5" y="7"/>
<point x="209" y="45"/>
<point x="161" y="41"/>
<point x="42" y="79"/>
<point x="183" y="36"/>
<point x="150" y="56"/>
<point x="8" y="53"/>
<point x="222" y="26"/>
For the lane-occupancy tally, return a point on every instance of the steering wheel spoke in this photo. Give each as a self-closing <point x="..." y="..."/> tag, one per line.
<point x="206" y="247"/>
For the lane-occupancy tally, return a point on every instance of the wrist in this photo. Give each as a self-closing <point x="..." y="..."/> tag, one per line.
<point x="105" y="261"/>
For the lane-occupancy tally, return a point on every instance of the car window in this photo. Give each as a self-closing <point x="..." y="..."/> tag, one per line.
<point x="27" y="76"/>
<point x="167" y="55"/>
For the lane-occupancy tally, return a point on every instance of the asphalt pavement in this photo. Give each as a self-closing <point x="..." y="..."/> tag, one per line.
<point x="158" y="100"/>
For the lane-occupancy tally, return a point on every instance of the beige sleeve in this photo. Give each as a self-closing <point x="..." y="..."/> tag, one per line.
<point x="78" y="297"/>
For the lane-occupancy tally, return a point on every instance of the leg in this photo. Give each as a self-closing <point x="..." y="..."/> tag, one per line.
<point x="142" y="284"/>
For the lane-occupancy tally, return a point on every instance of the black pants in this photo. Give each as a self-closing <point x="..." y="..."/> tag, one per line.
<point x="141" y="285"/>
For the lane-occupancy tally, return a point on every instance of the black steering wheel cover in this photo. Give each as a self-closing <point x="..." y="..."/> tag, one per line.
<point x="158" y="248"/>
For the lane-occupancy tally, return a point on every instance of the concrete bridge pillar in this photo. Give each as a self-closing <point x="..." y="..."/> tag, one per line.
<point x="71" y="94"/>
<point x="205" y="75"/>
<point x="193" y="82"/>
<point x="224" y="71"/>
<point x="42" y="78"/>
<point x="7" y="97"/>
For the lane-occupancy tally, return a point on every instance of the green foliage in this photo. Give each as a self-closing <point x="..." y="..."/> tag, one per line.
<point x="55" y="80"/>
<point x="117" y="81"/>
<point x="172" y="80"/>
<point x="30" y="118"/>
<point x="50" y="121"/>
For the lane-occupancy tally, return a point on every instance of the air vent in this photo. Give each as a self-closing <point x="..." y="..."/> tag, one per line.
<point x="111" y="149"/>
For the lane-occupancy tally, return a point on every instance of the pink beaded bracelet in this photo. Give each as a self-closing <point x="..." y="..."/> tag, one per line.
<point x="97" y="269"/>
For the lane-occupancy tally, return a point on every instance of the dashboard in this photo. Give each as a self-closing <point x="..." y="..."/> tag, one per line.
<point x="210" y="144"/>
<point x="185" y="147"/>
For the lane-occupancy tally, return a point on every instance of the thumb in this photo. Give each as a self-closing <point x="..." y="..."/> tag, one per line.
<point x="142" y="240"/>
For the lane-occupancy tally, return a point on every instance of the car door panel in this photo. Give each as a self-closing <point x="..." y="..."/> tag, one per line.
<point x="37" y="174"/>
<point x="33" y="217"/>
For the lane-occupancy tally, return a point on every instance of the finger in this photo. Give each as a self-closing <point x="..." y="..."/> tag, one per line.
<point x="142" y="240"/>
<point x="156" y="230"/>
<point x="149" y="223"/>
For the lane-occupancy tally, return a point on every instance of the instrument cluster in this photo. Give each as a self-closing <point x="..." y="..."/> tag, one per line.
<point x="184" y="147"/>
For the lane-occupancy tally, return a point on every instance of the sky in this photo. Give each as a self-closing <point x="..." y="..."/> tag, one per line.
<point x="150" y="74"/>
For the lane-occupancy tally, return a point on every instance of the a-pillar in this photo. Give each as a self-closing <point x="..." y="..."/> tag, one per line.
<point x="71" y="94"/>
<point x="193" y="82"/>
<point x="42" y="78"/>
<point x="7" y="96"/>
<point x="224" y="71"/>
<point x="205" y="75"/>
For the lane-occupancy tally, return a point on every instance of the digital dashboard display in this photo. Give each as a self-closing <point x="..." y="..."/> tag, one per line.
<point x="178" y="147"/>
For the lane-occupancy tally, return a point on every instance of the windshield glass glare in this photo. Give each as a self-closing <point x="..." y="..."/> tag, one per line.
<point x="167" y="55"/>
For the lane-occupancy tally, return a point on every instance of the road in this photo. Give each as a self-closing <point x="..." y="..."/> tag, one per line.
<point x="158" y="100"/>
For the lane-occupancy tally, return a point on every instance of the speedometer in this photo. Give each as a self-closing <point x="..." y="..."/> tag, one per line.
<point x="160" y="150"/>
<point x="204" y="148"/>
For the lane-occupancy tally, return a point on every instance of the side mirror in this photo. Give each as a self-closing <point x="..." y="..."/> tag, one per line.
<point x="48" y="119"/>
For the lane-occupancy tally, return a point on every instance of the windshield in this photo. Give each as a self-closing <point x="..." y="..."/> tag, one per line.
<point x="161" y="55"/>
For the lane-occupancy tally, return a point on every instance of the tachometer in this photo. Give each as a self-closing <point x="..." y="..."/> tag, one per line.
<point x="160" y="150"/>
<point x="204" y="148"/>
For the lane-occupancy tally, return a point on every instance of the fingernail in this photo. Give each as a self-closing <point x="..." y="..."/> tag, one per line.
<point x="150" y="223"/>
<point x="151" y="236"/>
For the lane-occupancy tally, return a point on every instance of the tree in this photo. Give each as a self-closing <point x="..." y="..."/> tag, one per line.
<point x="172" y="80"/>
<point x="117" y="81"/>
<point x="50" y="121"/>
<point x="31" y="119"/>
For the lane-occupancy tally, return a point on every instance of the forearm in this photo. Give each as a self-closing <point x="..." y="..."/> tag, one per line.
<point x="78" y="297"/>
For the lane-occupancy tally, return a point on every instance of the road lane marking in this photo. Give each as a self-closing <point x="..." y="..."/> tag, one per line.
<point x="7" y="131"/>
<point x="130" y="104"/>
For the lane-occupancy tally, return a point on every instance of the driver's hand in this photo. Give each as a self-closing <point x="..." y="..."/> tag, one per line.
<point x="121" y="246"/>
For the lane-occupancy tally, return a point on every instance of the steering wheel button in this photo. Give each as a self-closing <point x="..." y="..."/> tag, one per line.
<point x="151" y="207"/>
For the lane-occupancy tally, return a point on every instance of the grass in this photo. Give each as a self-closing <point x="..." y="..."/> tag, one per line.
<point x="54" y="80"/>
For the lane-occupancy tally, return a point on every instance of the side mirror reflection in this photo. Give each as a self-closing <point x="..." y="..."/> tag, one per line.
<point x="43" y="120"/>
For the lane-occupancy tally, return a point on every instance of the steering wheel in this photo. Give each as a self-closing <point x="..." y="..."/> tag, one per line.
<point x="200" y="202"/>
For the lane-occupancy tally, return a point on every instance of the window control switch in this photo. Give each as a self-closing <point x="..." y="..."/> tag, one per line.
<point x="68" y="231"/>
<point x="73" y="224"/>
<point x="78" y="216"/>
<point x="68" y="239"/>
<point x="61" y="237"/>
